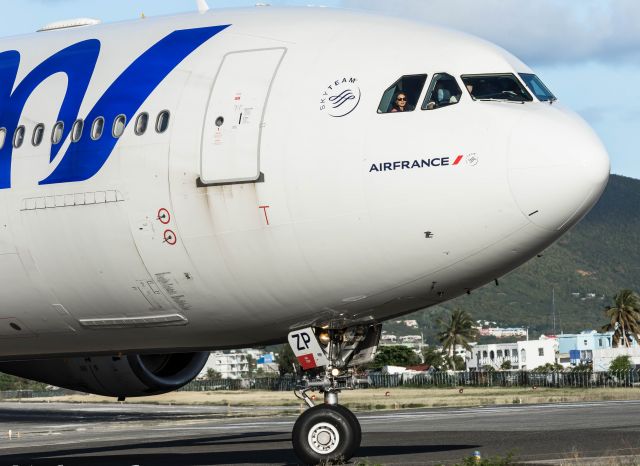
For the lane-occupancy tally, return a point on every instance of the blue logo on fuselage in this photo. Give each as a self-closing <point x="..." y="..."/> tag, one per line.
<point x="127" y="93"/>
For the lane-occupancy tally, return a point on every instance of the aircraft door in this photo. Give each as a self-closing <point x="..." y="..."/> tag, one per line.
<point x="235" y="116"/>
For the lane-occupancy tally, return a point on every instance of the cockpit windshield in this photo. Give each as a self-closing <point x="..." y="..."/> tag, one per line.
<point x="538" y="88"/>
<point x="496" y="87"/>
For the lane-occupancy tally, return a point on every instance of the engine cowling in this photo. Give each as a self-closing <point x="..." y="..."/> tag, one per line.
<point x="117" y="376"/>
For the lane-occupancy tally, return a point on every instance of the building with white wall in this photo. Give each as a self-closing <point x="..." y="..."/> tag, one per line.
<point x="500" y="332"/>
<point x="231" y="365"/>
<point x="522" y="355"/>
<point x="580" y="348"/>
<point x="602" y="357"/>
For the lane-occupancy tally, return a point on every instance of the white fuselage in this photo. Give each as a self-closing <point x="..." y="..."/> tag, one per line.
<point x="141" y="257"/>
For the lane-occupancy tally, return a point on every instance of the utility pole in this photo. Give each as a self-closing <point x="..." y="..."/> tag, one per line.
<point x="553" y="308"/>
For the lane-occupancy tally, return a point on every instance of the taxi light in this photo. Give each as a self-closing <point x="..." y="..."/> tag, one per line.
<point x="324" y="337"/>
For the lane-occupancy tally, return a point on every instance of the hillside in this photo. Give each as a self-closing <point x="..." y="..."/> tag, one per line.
<point x="598" y="257"/>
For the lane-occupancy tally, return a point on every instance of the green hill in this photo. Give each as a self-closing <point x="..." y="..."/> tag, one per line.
<point x="597" y="258"/>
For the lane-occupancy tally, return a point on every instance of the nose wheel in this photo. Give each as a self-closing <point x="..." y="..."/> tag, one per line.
<point x="326" y="433"/>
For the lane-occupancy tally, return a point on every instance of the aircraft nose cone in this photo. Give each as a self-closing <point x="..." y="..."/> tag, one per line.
<point x="558" y="168"/>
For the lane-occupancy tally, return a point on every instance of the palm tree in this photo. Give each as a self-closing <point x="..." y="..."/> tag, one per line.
<point x="459" y="330"/>
<point x="624" y="318"/>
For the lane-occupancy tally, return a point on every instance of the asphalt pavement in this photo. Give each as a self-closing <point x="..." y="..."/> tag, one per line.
<point x="151" y="435"/>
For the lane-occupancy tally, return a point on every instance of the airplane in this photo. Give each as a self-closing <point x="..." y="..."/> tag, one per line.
<point x="229" y="178"/>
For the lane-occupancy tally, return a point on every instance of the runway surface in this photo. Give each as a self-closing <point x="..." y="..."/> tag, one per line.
<point x="148" y="435"/>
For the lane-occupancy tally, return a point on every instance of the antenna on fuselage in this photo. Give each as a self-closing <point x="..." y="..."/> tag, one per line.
<point x="202" y="6"/>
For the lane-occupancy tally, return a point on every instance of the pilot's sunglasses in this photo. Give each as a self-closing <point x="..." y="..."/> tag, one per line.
<point x="401" y="98"/>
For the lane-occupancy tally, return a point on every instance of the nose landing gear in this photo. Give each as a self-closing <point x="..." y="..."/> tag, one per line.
<point x="330" y="432"/>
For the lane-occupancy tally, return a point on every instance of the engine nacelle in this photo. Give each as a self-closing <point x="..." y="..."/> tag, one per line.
<point x="117" y="376"/>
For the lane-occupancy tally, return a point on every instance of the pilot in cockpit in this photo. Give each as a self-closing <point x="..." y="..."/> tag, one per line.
<point x="400" y="104"/>
<point x="441" y="97"/>
<point x="445" y="92"/>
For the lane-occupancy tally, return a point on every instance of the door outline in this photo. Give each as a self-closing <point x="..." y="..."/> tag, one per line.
<point x="260" y="176"/>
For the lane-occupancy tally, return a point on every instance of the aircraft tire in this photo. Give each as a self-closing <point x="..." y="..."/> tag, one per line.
<point x="354" y="423"/>
<point x="326" y="433"/>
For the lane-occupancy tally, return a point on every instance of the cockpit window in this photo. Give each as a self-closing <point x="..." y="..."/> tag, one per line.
<point x="403" y="95"/>
<point x="444" y="91"/>
<point x="496" y="87"/>
<point x="538" y="88"/>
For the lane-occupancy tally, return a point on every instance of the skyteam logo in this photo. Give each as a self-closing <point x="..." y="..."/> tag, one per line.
<point x="83" y="159"/>
<point x="341" y="97"/>
<point x="433" y="162"/>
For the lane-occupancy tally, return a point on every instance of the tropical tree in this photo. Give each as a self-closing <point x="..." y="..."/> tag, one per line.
<point x="459" y="330"/>
<point x="624" y="318"/>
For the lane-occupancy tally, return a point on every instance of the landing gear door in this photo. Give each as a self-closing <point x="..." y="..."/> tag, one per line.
<point x="235" y="116"/>
<point x="307" y="349"/>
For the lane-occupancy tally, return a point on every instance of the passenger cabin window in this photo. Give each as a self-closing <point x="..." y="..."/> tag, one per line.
<point x="444" y="91"/>
<point x="38" y="135"/>
<point x="18" y="137"/>
<point x="141" y="124"/>
<point x="119" y="125"/>
<point x="500" y="87"/>
<point x="3" y="137"/>
<point x="97" y="129"/>
<point x="76" y="130"/>
<point x="162" y="123"/>
<point x="56" y="134"/>
<point x="538" y="88"/>
<point x="403" y="95"/>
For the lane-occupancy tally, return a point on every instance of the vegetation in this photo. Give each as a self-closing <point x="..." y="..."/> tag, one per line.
<point x="623" y="318"/>
<point x="287" y="360"/>
<point x="548" y="367"/>
<point x="494" y="461"/>
<point x="252" y="365"/>
<point x="583" y="367"/>
<point x="621" y="363"/>
<point x="10" y="382"/>
<point x="459" y="330"/>
<point x="213" y="374"/>
<point x="396" y="356"/>
<point x="433" y="357"/>
<point x="506" y="365"/>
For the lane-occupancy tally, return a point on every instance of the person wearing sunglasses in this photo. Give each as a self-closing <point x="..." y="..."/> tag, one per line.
<point x="400" y="103"/>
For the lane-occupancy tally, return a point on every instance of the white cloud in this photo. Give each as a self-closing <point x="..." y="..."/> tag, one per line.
<point x="538" y="31"/>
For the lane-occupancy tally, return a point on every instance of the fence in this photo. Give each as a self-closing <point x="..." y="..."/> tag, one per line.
<point x="440" y="379"/>
<point x="276" y="384"/>
<point x="445" y="379"/>
<point x="20" y="394"/>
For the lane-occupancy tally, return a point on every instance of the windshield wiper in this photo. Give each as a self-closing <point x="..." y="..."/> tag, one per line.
<point x="493" y="99"/>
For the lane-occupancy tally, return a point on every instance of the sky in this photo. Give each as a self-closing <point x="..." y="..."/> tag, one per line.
<point x="586" y="51"/>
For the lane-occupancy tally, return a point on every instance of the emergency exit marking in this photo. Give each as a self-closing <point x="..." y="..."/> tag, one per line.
<point x="170" y="237"/>
<point x="164" y="216"/>
<point x="266" y="214"/>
